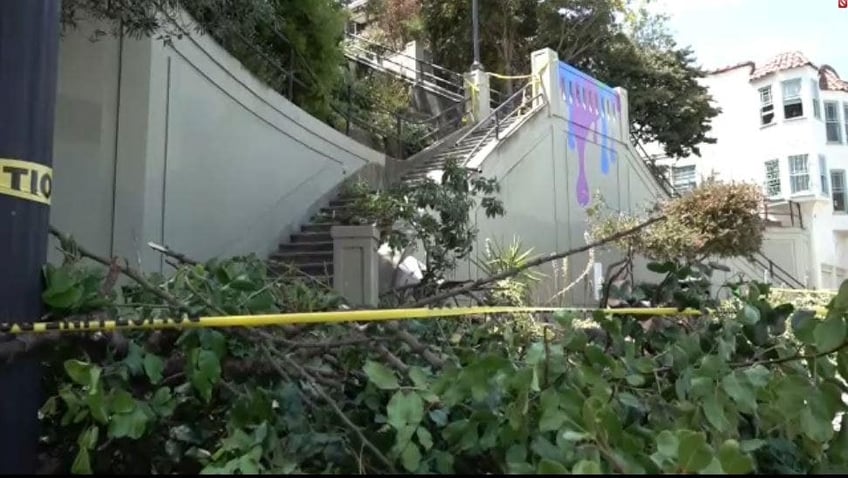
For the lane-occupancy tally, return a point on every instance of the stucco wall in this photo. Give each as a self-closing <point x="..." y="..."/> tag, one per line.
<point x="180" y="144"/>
<point x="538" y="167"/>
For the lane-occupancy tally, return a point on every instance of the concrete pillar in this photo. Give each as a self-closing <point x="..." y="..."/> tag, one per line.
<point x="477" y="87"/>
<point x="356" y="264"/>
<point x="624" y="117"/>
<point x="545" y="67"/>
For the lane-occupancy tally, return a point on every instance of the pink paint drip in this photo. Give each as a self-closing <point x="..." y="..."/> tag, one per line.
<point x="582" y="117"/>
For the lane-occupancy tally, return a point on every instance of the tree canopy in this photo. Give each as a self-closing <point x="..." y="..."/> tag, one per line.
<point x="621" y="42"/>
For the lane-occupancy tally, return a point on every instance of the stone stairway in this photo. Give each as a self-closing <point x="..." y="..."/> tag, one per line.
<point x="310" y="251"/>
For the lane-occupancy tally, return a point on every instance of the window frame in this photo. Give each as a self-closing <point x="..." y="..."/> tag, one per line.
<point x="838" y="189"/>
<point x="774" y="182"/>
<point x="684" y="187"/>
<point x="837" y="121"/>
<point x="823" y="175"/>
<point x="769" y="104"/>
<point x="817" y="107"/>
<point x="794" y="100"/>
<point x="794" y="175"/>
<point x="845" y="117"/>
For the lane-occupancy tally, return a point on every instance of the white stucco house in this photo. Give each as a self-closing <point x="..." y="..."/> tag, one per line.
<point x="784" y="125"/>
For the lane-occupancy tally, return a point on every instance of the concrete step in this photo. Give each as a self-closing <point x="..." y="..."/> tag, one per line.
<point x="301" y="237"/>
<point x="307" y="246"/>
<point x="317" y="227"/>
<point x="303" y="257"/>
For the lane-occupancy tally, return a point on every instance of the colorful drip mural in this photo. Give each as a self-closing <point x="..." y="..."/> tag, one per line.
<point x="592" y="105"/>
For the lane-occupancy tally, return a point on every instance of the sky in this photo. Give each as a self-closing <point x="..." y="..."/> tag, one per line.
<point x="726" y="32"/>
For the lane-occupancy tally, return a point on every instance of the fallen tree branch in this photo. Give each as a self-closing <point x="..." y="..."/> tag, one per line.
<point x="181" y="258"/>
<point x="534" y="263"/>
<point x="333" y="404"/>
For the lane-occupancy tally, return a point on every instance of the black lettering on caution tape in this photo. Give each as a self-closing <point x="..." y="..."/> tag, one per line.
<point x="26" y="180"/>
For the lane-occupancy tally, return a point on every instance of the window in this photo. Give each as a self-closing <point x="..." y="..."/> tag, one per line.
<point x="683" y="177"/>
<point x="823" y="175"/>
<point x="799" y="174"/>
<point x="845" y="118"/>
<point x="837" y="185"/>
<point x="816" y="100"/>
<point x="766" y="106"/>
<point x="792" y="105"/>
<point x="831" y="122"/>
<point x="772" y="184"/>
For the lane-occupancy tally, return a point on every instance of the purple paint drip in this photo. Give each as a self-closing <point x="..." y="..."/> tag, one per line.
<point x="584" y="96"/>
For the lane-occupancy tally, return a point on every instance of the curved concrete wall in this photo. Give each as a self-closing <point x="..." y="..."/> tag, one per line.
<point x="550" y="167"/>
<point x="180" y="144"/>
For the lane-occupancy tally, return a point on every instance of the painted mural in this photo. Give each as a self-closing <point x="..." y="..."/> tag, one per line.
<point x="592" y="106"/>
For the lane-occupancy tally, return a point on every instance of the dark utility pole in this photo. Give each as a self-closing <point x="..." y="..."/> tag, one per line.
<point x="29" y="44"/>
<point x="475" y="26"/>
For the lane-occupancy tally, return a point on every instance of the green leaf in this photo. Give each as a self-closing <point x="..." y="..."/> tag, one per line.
<point x="842" y="363"/>
<point x="667" y="444"/>
<point x="573" y="436"/>
<point x="121" y="402"/>
<point x="635" y="380"/>
<point x="550" y="467"/>
<point x="758" y="375"/>
<point x="830" y="333"/>
<point x="82" y="373"/>
<point x="153" y="367"/>
<point x="740" y="391"/>
<point x="749" y="315"/>
<point x="380" y="375"/>
<point x="693" y="453"/>
<point x="82" y="463"/>
<point x="714" y="412"/>
<point x="97" y="406"/>
<point x="803" y="324"/>
<point x="733" y="460"/>
<point x="405" y="409"/>
<point x="424" y="437"/>
<point x="411" y="458"/>
<point x="418" y="377"/>
<point x="62" y="300"/>
<point x="586" y="467"/>
<point x="88" y="438"/>
<point x="439" y="417"/>
<point x="818" y="429"/>
<point x="748" y="446"/>
<point x="552" y="419"/>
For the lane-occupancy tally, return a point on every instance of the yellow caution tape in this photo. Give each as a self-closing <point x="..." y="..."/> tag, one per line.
<point x="26" y="180"/>
<point x="507" y="77"/>
<point x="303" y="318"/>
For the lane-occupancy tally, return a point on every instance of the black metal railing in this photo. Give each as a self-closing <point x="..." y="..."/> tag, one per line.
<point x="777" y="272"/>
<point x="783" y="209"/>
<point x="494" y="123"/>
<point x="397" y="133"/>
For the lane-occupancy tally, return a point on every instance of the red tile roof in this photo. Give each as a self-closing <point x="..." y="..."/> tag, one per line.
<point x="828" y="78"/>
<point x="784" y="61"/>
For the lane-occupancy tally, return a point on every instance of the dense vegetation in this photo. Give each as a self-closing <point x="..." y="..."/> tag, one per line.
<point x="744" y="385"/>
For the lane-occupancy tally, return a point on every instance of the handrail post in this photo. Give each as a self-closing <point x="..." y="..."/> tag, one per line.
<point x="291" y="72"/>
<point x="497" y="124"/>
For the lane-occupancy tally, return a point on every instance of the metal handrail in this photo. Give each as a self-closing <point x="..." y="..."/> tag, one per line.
<point x="495" y="116"/>
<point x="782" y="274"/>
<point x="417" y="60"/>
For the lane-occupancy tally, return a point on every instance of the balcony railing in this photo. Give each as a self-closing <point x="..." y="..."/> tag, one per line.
<point x="786" y="213"/>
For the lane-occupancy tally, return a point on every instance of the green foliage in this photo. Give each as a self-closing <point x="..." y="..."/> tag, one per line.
<point x="755" y="388"/>
<point x="667" y="104"/>
<point x="270" y="38"/>
<point x="435" y="215"/>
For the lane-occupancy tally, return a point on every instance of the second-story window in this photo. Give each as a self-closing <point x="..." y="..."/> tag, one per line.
<point x="683" y="177"/>
<point x="799" y="174"/>
<point x="831" y="120"/>
<point x="772" y="184"/>
<point x="792" y="105"/>
<point x="823" y="175"/>
<point x="816" y="99"/>
<point x="837" y="185"/>
<point x="845" y="118"/>
<point x="766" y="106"/>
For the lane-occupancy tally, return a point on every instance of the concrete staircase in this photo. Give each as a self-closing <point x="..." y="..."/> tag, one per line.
<point x="310" y="251"/>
